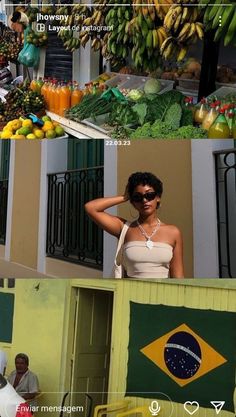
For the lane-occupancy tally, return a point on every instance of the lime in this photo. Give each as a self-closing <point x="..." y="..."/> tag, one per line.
<point x="50" y="134"/>
<point x="59" y="131"/>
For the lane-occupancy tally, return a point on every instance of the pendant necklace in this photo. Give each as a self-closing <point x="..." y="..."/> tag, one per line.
<point x="149" y="242"/>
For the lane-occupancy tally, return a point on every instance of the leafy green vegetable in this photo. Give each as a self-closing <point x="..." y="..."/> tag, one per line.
<point x="163" y="130"/>
<point x="141" y="110"/>
<point x="158" y="106"/>
<point x="142" y="132"/>
<point x="187" y="117"/>
<point x="173" y="116"/>
<point x="122" y="113"/>
<point x="189" y="132"/>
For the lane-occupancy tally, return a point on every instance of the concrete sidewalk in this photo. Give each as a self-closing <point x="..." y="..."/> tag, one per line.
<point x="14" y="270"/>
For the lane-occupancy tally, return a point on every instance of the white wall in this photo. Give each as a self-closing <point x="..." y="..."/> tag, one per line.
<point x="110" y="189"/>
<point x="205" y="241"/>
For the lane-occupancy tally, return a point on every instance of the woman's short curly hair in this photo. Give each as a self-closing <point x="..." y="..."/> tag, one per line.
<point x="144" y="178"/>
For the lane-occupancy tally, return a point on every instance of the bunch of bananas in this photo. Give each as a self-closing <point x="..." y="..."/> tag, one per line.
<point x="227" y="11"/>
<point x="178" y="15"/>
<point x="116" y="43"/>
<point x="159" y="7"/>
<point x="74" y="16"/>
<point x="147" y="36"/>
<point x="183" y="28"/>
<point x="92" y="26"/>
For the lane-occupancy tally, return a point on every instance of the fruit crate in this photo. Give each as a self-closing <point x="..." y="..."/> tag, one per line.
<point x="129" y="82"/>
<point x="119" y="79"/>
<point x="223" y="91"/>
<point x="188" y="84"/>
<point x="219" y="85"/>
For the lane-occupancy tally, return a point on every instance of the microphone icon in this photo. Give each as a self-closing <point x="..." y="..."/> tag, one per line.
<point x="154" y="408"/>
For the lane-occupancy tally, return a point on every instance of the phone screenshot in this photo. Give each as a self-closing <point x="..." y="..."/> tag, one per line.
<point x="117" y="208"/>
<point x="85" y="347"/>
<point x="118" y="70"/>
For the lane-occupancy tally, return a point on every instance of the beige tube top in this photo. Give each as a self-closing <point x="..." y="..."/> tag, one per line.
<point x="141" y="262"/>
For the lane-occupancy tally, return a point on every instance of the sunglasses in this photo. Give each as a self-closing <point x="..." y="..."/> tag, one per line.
<point x="138" y="198"/>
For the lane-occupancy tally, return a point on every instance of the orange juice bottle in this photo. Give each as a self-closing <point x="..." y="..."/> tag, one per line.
<point x="53" y="96"/>
<point x="57" y="98"/>
<point x="48" y="95"/>
<point x="86" y="89"/>
<point x="44" y="90"/>
<point x="33" y="84"/>
<point x="76" y="95"/>
<point x="65" y="94"/>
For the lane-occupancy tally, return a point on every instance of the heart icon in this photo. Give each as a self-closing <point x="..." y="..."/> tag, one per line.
<point x="191" y="403"/>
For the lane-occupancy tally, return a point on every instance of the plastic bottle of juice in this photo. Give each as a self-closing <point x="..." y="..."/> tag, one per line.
<point x="33" y="84"/>
<point x="210" y="117"/>
<point x="201" y="112"/>
<point x="217" y="104"/>
<point x="39" y="84"/>
<point x="53" y="96"/>
<point x="44" y="90"/>
<point x="76" y="95"/>
<point x="86" y="89"/>
<point x="64" y="99"/>
<point x="48" y="99"/>
<point x="219" y="129"/>
<point x="188" y="102"/>
<point x="230" y="120"/>
<point x="234" y="127"/>
<point x="57" y="98"/>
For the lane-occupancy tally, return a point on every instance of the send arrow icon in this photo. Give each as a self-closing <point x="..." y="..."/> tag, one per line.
<point x="218" y="405"/>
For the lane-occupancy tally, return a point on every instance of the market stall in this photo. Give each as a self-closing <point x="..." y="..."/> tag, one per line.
<point x="155" y="88"/>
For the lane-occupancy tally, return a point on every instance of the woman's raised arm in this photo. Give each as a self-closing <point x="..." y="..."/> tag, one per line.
<point x="108" y="222"/>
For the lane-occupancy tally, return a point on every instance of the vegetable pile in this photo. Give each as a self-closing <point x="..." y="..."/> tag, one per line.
<point x="156" y="116"/>
<point x="92" y="105"/>
<point x="162" y="116"/>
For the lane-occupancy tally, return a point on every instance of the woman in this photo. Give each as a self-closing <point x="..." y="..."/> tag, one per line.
<point x="149" y="247"/>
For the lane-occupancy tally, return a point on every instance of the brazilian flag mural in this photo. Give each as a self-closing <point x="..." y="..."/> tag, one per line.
<point x="187" y="354"/>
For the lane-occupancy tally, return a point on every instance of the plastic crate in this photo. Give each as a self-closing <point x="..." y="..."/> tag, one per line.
<point x="119" y="79"/>
<point x="130" y="82"/>
<point x="166" y="85"/>
<point x="223" y="91"/>
<point x="188" y="84"/>
<point x="219" y="85"/>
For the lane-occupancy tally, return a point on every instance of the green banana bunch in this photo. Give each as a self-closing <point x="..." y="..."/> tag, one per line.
<point x="224" y="28"/>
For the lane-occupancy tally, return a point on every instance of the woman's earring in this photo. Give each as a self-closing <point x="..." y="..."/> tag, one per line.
<point x="158" y="205"/>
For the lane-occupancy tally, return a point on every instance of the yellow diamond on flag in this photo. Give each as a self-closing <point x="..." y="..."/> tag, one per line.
<point x="183" y="355"/>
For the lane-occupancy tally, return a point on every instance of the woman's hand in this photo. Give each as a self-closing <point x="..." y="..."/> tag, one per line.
<point x="126" y="194"/>
<point x="109" y="223"/>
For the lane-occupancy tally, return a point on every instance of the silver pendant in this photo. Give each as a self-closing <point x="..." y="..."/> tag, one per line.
<point x="149" y="244"/>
